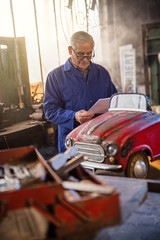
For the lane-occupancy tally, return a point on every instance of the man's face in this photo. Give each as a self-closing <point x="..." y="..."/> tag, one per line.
<point x="81" y="54"/>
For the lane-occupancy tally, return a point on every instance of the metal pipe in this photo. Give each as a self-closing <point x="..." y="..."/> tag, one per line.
<point x="1" y="64"/>
<point x="39" y="51"/>
<point x="55" y="18"/>
<point x="87" y="15"/>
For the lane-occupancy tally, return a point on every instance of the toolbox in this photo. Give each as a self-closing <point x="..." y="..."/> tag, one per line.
<point x="74" y="201"/>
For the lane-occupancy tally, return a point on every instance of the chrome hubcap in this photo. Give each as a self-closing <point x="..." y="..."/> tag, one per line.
<point x="139" y="169"/>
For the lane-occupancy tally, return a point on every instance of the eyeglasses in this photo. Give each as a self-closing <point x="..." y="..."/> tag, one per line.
<point x="81" y="55"/>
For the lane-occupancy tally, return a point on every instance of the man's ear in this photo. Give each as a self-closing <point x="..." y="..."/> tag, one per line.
<point x="70" y="50"/>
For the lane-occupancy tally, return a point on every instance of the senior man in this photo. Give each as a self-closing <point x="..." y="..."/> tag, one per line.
<point x="74" y="87"/>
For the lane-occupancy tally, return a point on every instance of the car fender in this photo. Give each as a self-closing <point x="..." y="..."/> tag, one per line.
<point x="142" y="147"/>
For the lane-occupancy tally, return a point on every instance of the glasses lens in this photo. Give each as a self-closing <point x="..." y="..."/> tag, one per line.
<point x="82" y="55"/>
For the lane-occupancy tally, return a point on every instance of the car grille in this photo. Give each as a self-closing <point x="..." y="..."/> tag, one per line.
<point x="94" y="152"/>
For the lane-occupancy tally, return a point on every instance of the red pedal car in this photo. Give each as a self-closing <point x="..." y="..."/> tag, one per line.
<point x="126" y="137"/>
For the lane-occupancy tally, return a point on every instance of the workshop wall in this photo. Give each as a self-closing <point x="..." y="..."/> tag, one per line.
<point x="121" y="24"/>
<point x="47" y="26"/>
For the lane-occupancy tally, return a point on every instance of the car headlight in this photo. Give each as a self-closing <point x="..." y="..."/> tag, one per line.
<point x="110" y="148"/>
<point x="68" y="142"/>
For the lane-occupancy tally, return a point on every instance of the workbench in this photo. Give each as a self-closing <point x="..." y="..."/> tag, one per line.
<point x="25" y="133"/>
<point x="21" y="134"/>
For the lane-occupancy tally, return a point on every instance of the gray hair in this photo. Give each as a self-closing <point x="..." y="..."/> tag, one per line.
<point x="79" y="37"/>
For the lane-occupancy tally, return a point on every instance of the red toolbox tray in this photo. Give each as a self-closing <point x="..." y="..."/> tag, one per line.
<point x="81" y="203"/>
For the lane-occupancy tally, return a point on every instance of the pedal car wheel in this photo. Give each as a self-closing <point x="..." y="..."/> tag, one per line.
<point x="138" y="166"/>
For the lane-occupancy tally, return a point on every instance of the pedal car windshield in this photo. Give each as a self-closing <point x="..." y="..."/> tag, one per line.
<point x="128" y="101"/>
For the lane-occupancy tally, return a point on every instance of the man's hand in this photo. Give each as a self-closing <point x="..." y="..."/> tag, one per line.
<point x="83" y="116"/>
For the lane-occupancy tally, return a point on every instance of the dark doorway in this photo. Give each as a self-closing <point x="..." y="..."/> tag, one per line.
<point x="151" y="52"/>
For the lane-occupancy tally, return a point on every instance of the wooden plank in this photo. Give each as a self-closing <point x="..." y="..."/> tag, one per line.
<point x="88" y="187"/>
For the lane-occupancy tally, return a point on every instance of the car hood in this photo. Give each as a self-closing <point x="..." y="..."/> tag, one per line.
<point x="111" y="125"/>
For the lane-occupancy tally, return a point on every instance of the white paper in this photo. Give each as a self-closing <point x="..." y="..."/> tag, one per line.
<point x="101" y="106"/>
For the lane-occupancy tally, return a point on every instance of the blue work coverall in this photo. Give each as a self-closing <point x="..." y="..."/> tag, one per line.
<point x="67" y="91"/>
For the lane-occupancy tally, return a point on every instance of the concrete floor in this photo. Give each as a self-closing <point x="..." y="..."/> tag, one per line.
<point x="144" y="222"/>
